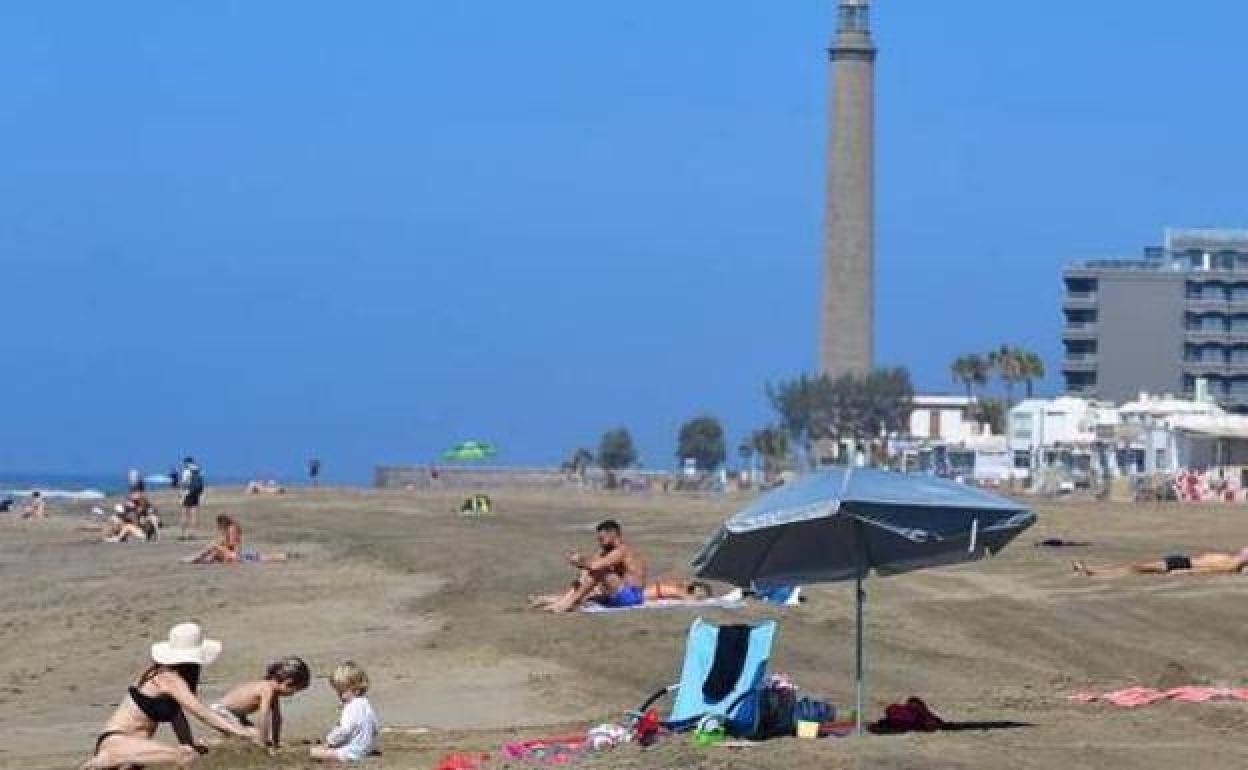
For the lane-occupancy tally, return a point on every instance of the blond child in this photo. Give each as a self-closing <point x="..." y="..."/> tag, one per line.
<point x="355" y="737"/>
<point x="282" y="679"/>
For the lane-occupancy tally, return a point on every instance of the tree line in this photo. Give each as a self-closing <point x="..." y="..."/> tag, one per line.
<point x="861" y="410"/>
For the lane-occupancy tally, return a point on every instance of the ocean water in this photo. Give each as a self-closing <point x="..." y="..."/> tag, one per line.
<point x="63" y="486"/>
<point x="87" y="486"/>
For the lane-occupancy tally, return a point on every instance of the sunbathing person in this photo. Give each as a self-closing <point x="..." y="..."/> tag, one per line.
<point x="228" y="548"/>
<point x="616" y="577"/>
<point x="270" y="487"/>
<point x="1212" y="563"/>
<point x="677" y="589"/>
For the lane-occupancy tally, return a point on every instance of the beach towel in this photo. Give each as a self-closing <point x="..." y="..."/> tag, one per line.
<point x="1134" y="697"/>
<point x="547" y="751"/>
<point x="718" y="602"/>
<point x="462" y="762"/>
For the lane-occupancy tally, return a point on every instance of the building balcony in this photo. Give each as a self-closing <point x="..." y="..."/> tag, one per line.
<point x="1201" y="368"/>
<point x="1079" y="300"/>
<point x="1081" y="390"/>
<point x="1206" y="304"/>
<point x="1079" y="362"/>
<point x="1206" y="335"/>
<point x="1079" y="330"/>
<point x="1080" y="272"/>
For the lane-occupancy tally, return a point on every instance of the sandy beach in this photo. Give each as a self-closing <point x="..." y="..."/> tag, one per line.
<point x="432" y="604"/>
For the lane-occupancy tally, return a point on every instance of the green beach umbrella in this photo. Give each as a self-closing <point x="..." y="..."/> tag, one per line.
<point x="469" y="451"/>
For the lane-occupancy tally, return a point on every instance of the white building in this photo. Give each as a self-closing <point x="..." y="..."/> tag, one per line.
<point x="1037" y="423"/>
<point x="945" y="438"/>
<point x="943" y="418"/>
<point x="1070" y="433"/>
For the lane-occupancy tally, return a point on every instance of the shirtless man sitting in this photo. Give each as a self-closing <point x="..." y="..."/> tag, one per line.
<point x="614" y="578"/>
<point x="1212" y="563"/>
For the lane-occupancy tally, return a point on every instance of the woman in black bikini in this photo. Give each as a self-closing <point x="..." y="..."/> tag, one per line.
<point x="164" y="693"/>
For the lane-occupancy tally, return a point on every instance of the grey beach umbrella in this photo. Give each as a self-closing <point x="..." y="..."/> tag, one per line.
<point x="845" y="523"/>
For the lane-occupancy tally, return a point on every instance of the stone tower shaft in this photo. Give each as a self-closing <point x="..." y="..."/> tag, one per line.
<point x="847" y="337"/>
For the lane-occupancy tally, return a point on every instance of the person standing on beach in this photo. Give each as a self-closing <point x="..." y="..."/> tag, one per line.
<point x="314" y="471"/>
<point x="193" y="482"/>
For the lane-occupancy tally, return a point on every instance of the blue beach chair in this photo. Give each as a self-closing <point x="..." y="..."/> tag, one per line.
<point x="723" y="675"/>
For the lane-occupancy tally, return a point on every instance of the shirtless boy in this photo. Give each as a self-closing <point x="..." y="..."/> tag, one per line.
<point x="262" y="699"/>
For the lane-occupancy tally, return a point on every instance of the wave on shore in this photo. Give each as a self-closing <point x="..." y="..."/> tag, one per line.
<point x="56" y="494"/>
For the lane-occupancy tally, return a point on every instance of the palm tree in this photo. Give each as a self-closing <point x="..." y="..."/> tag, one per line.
<point x="1008" y="362"/>
<point x="971" y="371"/>
<point x="1031" y="369"/>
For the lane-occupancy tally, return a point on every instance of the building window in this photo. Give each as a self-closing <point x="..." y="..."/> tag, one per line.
<point x="1212" y="323"/>
<point x="1022" y="427"/>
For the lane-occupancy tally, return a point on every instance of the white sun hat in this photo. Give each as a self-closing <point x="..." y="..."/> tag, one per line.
<point x="186" y="645"/>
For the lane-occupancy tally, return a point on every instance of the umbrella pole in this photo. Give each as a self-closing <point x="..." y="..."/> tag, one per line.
<point x="860" y="597"/>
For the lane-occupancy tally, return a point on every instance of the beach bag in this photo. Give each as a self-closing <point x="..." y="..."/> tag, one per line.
<point x="779" y="705"/>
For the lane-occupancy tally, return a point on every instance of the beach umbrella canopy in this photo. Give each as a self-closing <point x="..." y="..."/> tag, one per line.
<point x="845" y="523"/>
<point x="470" y="450"/>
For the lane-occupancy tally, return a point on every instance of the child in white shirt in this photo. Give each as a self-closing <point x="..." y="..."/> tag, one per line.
<point x="355" y="737"/>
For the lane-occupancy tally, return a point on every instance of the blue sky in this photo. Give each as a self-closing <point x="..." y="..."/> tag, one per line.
<point x="258" y="231"/>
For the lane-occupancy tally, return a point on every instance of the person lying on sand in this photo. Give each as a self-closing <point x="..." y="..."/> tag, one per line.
<point x="270" y="487"/>
<point x="164" y="693"/>
<point x="282" y="679"/>
<point x="1212" y="563"/>
<point x="228" y="548"/>
<point x="615" y="578"/>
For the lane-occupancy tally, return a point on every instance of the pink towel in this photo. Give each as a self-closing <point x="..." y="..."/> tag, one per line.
<point x="1145" y="696"/>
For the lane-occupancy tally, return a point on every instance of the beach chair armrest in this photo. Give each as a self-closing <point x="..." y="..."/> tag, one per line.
<point x="653" y="699"/>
